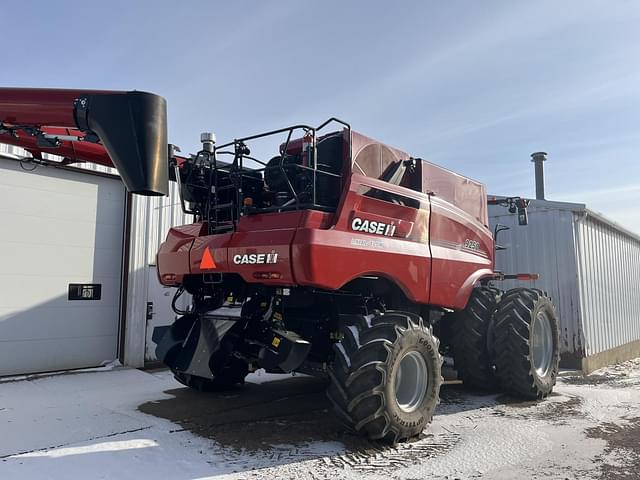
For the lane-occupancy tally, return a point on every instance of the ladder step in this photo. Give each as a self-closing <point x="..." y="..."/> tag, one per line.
<point x="220" y="228"/>
<point x="222" y="206"/>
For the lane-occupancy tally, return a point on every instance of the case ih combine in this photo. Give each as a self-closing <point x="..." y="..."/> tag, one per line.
<point x="339" y="257"/>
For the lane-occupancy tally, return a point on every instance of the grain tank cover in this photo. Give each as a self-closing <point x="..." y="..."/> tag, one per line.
<point x="373" y="159"/>
<point x="467" y="194"/>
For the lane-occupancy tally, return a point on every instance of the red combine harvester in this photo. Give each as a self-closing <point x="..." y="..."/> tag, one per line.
<point x="338" y="257"/>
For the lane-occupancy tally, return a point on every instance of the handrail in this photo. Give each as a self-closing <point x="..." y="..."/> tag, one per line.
<point x="238" y="175"/>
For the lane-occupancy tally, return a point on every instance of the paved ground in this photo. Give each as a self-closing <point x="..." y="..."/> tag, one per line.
<point x="130" y="424"/>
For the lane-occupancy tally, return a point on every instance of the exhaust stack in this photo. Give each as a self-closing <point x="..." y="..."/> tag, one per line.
<point x="538" y="158"/>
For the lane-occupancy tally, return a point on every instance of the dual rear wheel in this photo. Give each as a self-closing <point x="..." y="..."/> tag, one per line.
<point x="385" y="378"/>
<point x="507" y="341"/>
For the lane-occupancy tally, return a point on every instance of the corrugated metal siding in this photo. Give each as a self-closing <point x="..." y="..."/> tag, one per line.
<point x="17" y="152"/>
<point x="546" y="246"/>
<point x="151" y="219"/>
<point x="11" y="151"/>
<point x="163" y="213"/>
<point x="609" y="273"/>
<point x="96" y="168"/>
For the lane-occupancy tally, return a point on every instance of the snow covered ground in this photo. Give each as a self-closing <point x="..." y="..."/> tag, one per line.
<point x="129" y="424"/>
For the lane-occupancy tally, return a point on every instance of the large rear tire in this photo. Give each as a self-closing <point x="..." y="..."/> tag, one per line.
<point x="472" y="340"/>
<point x="232" y="374"/>
<point x="526" y="343"/>
<point x="385" y="379"/>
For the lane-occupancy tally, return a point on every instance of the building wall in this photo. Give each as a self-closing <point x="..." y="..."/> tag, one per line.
<point x="151" y="219"/>
<point x="546" y="246"/>
<point x="609" y="275"/>
<point x="590" y="266"/>
<point x="59" y="227"/>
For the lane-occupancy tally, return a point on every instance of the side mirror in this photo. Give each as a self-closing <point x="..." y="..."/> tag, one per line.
<point x="523" y="216"/>
<point x="514" y="204"/>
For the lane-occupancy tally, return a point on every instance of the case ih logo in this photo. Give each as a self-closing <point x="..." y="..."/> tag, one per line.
<point x="371" y="226"/>
<point x="256" y="258"/>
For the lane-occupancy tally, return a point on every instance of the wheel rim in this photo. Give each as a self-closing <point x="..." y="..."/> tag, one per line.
<point x="542" y="344"/>
<point x="411" y="381"/>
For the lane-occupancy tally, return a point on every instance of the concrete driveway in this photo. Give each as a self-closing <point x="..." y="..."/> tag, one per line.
<point x="130" y="424"/>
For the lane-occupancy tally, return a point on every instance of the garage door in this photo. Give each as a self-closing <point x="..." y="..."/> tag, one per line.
<point x="59" y="231"/>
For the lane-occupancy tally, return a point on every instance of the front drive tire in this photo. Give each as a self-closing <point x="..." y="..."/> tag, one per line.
<point x="385" y="378"/>
<point x="526" y="343"/>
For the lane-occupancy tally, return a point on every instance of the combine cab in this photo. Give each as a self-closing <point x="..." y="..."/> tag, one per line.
<point x="335" y="256"/>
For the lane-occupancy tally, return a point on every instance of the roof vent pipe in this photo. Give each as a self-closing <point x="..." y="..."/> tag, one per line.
<point x="538" y="158"/>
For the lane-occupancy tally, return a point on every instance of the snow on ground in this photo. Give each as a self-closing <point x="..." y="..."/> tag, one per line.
<point x="129" y="424"/>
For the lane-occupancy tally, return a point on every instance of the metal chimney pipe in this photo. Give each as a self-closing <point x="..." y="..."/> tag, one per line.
<point x="538" y="158"/>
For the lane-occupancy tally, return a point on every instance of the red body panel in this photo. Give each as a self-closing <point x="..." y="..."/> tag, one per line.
<point x="41" y="106"/>
<point x="435" y="255"/>
<point x="175" y="252"/>
<point x="457" y="261"/>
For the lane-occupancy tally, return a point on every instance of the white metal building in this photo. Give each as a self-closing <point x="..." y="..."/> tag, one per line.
<point x="77" y="256"/>
<point x="590" y="266"/>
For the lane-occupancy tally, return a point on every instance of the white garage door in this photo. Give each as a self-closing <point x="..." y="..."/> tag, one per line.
<point x="59" y="230"/>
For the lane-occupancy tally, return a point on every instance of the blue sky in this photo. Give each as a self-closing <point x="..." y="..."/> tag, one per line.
<point x="474" y="86"/>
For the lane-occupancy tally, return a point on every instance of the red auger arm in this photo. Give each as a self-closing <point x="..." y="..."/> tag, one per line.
<point x="127" y="130"/>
